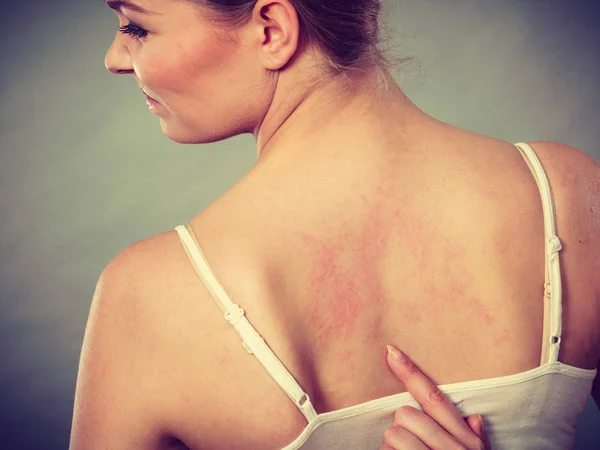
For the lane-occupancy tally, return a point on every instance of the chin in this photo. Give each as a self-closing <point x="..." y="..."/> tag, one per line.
<point x="183" y="136"/>
<point x="182" y="139"/>
<point x="186" y="135"/>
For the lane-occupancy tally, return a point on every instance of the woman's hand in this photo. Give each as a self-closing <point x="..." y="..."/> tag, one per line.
<point x="439" y="426"/>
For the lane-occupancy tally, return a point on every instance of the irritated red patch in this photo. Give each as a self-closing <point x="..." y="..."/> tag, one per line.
<point x="443" y="281"/>
<point x="344" y="279"/>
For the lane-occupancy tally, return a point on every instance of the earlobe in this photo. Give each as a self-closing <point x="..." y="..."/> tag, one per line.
<point x="279" y="20"/>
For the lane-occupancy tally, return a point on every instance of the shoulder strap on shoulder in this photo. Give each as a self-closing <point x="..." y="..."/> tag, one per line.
<point x="553" y="286"/>
<point x="235" y="315"/>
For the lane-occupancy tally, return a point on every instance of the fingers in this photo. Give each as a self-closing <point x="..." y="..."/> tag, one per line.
<point x="475" y="422"/>
<point x="439" y="409"/>
<point x="426" y="429"/>
<point x="398" y="438"/>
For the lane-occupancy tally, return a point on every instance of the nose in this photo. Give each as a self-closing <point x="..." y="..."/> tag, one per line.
<point x="117" y="59"/>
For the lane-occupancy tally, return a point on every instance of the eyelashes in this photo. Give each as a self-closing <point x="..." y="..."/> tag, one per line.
<point x="134" y="31"/>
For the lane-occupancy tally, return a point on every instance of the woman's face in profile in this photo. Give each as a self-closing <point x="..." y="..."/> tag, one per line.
<point x="204" y="85"/>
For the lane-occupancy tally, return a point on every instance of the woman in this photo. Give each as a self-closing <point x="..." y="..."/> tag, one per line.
<point x="364" y="222"/>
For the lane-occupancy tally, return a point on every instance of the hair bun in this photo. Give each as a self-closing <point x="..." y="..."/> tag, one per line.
<point x="347" y="31"/>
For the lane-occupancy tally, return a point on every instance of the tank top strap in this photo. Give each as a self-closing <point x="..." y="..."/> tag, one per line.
<point x="552" y="286"/>
<point x="235" y="315"/>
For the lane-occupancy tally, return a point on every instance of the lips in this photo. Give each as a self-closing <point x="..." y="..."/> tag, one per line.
<point x="146" y="94"/>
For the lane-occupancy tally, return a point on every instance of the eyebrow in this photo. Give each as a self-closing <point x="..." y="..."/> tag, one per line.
<point x="118" y="4"/>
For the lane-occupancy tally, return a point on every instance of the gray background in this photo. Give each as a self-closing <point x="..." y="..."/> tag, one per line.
<point x="85" y="169"/>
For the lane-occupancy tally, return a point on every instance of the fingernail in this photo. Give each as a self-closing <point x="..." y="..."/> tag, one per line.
<point x="481" y="423"/>
<point x="396" y="354"/>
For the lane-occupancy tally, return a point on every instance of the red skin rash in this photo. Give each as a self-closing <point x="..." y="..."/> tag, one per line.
<point x="420" y="236"/>
<point x="344" y="280"/>
<point x="344" y="277"/>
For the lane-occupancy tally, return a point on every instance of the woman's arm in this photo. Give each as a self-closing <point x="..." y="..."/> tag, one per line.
<point x="116" y="396"/>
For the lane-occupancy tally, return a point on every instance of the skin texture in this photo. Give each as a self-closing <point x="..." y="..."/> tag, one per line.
<point x="336" y="243"/>
<point x="331" y="278"/>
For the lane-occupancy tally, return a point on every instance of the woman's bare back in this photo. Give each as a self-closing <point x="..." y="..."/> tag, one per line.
<point x="438" y="250"/>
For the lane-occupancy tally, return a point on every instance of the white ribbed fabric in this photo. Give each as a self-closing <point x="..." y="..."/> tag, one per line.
<point x="537" y="409"/>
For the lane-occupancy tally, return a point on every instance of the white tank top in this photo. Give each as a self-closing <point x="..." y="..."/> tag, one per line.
<point x="536" y="409"/>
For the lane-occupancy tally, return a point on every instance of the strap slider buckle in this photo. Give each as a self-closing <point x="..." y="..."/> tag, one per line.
<point x="234" y="315"/>
<point x="547" y="290"/>
<point x="248" y="349"/>
<point x="554" y="245"/>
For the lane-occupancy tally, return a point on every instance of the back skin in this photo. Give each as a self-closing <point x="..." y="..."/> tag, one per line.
<point x="433" y="243"/>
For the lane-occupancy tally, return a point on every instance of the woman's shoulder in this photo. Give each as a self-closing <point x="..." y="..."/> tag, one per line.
<point x="135" y="329"/>
<point x="574" y="178"/>
<point x="195" y="353"/>
<point x="153" y="273"/>
<point x="571" y="168"/>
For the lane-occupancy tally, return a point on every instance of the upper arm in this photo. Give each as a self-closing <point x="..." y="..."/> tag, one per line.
<point x="116" y="404"/>
<point x="575" y="182"/>
<point x="578" y="175"/>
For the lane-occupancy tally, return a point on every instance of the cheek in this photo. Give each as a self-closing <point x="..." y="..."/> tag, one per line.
<point x="210" y="72"/>
<point x="160" y="70"/>
<point x="192" y="64"/>
<point x="205" y="84"/>
<point x="175" y="64"/>
<point x="212" y="84"/>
